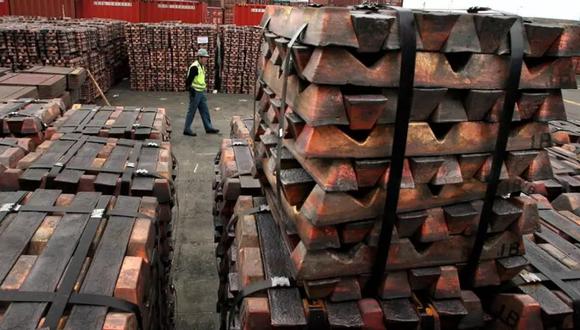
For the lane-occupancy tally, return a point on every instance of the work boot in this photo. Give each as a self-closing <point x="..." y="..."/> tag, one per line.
<point x="189" y="133"/>
<point x="212" y="131"/>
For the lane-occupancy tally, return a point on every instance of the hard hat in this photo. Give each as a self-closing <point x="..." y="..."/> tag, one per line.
<point x="202" y="52"/>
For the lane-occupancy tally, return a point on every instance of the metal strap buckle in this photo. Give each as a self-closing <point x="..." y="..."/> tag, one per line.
<point x="98" y="213"/>
<point x="529" y="277"/>
<point x="9" y="207"/>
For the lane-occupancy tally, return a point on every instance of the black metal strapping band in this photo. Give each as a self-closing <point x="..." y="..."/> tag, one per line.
<point x="500" y="153"/>
<point x="286" y="67"/>
<point x="408" y="42"/>
<point x="253" y="288"/>
<point x="64" y="295"/>
<point x="255" y="129"/>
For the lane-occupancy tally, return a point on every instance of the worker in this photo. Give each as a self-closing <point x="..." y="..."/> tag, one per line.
<point x="196" y="86"/>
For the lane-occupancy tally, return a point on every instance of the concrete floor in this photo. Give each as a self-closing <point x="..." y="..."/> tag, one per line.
<point x="194" y="262"/>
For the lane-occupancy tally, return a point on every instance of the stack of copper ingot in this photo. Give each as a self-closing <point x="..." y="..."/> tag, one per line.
<point x="29" y="118"/>
<point x="160" y="54"/>
<point x="136" y="123"/>
<point x="241" y="48"/>
<point x="325" y="185"/>
<point x="110" y="169"/>
<point x="96" y="45"/>
<point x="93" y="247"/>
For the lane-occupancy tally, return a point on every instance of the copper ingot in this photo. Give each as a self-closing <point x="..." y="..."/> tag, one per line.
<point x="326" y="105"/>
<point x="554" y="310"/>
<point x="400" y="314"/>
<point x="343" y="175"/>
<point x="371" y="313"/>
<point x="447" y="284"/>
<point x="371" y="30"/>
<point x="437" y="30"/>
<point x="356" y="232"/>
<point x="313" y="237"/>
<point x="255" y="313"/>
<point x="327" y="208"/>
<point x="423" y="140"/>
<point x="337" y="66"/>
<point x="461" y="218"/>
<point x="567" y="202"/>
<point x="19" y="272"/>
<point x="120" y="321"/>
<point x="333" y="175"/>
<point x="312" y="265"/>
<point x="567" y="43"/>
<point x="395" y="285"/>
<point x="132" y="284"/>
<point x="423" y="278"/>
<point x="249" y="266"/>
<point x="525" y="311"/>
<point x="434" y="227"/>
<point x="345" y="290"/>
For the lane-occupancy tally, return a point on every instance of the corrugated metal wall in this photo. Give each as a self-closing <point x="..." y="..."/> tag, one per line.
<point x="4" y="7"/>
<point x="127" y="10"/>
<point x="49" y="8"/>
<point x="248" y="14"/>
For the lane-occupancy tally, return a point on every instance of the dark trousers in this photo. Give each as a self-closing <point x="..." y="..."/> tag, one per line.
<point x="197" y="100"/>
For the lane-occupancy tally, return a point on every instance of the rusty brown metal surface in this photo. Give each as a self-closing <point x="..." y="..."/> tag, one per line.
<point x="328" y="105"/>
<point x="337" y="66"/>
<point x="424" y="139"/>
<point x="442" y="31"/>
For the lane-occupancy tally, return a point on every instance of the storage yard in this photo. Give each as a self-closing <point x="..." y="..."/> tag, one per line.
<point x="356" y="166"/>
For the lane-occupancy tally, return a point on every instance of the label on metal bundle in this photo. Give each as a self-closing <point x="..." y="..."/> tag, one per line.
<point x="168" y="6"/>
<point x="113" y="3"/>
<point x="202" y="40"/>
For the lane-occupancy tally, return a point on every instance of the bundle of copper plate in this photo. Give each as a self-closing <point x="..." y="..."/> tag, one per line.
<point x="94" y="44"/>
<point x="161" y="53"/>
<point x="241" y="45"/>
<point x="333" y="166"/>
<point x="104" y="245"/>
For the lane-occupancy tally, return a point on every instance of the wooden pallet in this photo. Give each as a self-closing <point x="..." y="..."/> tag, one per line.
<point x="87" y="243"/>
<point x="120" y="122"/>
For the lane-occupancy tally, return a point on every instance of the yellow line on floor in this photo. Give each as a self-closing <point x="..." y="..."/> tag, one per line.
<point x="572" y="102"/>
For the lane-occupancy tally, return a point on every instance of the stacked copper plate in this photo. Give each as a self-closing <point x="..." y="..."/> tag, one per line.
<point x="333" y="165"/>
<point x="241" y="48"/>
<point x="94" y="44"/>
<point x="160" y="54"/>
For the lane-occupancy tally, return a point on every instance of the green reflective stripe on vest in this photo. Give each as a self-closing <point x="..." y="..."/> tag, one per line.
<point x="198" y="82"/>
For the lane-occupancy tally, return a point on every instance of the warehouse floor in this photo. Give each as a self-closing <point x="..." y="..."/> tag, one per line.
<point x="194" y="266"/>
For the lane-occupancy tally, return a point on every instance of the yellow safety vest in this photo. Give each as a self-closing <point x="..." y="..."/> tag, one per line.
<point x="198" y="82"/>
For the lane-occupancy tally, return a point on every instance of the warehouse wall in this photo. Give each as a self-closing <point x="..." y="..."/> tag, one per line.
<point x="564" y="9"/>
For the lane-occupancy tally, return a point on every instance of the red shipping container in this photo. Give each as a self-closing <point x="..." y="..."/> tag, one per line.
<point x="186" y="11"/>
<point x="248" y="14"/>
<point x="215" y="15"/>
<point x="48" y="8"/>
<point x="4" y="7"/>
<point x="127" y="10"/>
